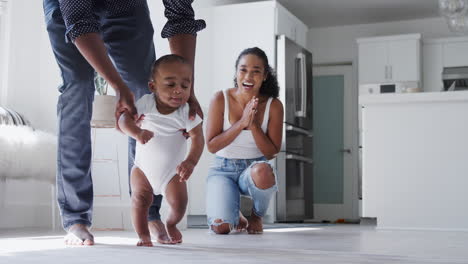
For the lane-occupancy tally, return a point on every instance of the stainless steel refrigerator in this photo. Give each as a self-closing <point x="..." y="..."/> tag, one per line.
<point x="294" y="163"/>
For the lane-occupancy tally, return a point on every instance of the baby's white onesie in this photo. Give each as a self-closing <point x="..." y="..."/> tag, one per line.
<point x="160" y="156"/>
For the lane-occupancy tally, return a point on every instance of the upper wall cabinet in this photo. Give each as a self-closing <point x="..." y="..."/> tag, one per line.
<point x="455" y="53"/>
<point x="441" y="53"/>
<point x="290" y="26"/>
<point x="390" y="59"/>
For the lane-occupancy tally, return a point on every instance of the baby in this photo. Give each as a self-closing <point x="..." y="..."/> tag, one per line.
<point x="162" y="165"/>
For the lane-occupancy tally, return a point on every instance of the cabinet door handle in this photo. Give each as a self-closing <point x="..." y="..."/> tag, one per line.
<point x="390" y="72"/>
<point x="386" y="72"/>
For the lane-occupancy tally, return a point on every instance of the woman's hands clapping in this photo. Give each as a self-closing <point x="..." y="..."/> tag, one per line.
<point x="248" y="116"/>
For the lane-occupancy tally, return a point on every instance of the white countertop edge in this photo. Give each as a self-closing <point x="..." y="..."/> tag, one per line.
<point x="403" y="98"/>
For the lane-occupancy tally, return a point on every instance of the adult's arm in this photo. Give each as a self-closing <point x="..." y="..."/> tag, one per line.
<point x="82" y="28"/>
<point x="92" y="48"/>
<point x="269" y="143"/>
<point x="181" y="30"/>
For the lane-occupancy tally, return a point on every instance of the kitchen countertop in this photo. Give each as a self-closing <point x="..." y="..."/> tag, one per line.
<point x="396" y="98"/>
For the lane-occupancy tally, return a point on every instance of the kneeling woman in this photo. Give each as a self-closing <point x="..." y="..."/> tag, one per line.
<point x="244" y="129"/>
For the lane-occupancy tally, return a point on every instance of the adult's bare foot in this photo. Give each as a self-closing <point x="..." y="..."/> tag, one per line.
<point x="145" y="241"/>
<point x="78" y="234"/>
<point x="174" y="234"/>
<point x="243" y="223"/>
<point x="255" y="224"/>
<point x="158" y="230"/>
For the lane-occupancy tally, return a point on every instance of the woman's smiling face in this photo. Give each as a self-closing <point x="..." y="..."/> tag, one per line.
<point x="250" y="74"/>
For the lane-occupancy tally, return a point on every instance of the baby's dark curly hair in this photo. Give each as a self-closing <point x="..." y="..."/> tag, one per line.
<point x="270" y="86"/>
<point x="167" y="59"/>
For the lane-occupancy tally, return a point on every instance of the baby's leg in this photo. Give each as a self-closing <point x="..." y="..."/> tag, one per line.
<point x="176" y="196"/>
<point x="142" y="198"/>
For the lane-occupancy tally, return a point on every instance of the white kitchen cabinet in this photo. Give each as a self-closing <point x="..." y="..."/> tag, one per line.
<point x="373" y="62"/>
<point x="290" y="26"/>
<point x="390" y="59"/>
<point x="455" y="53"/>
<point x="440" y="53"/>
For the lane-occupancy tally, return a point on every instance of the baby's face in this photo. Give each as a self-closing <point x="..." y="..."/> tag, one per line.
<point x="172" y="83"/>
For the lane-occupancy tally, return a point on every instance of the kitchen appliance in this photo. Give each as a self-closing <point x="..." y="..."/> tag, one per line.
<point x="294" y="163"/>
<point x="379" y="88"/>
<point x="455" y="78"/>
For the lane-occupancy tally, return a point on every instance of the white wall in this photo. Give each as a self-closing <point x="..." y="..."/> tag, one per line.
<point x="24" y="67"/>
<point x="338" y="44"/>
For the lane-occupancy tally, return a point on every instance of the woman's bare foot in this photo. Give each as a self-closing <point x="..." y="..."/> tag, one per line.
<point x="255" y="224"/>
<point x="145" y="241"/>
<point x="243" y="223"/>
<point x="78" y="234"/>
<point x="158" y="230"/>
<point x="174" y="234"/>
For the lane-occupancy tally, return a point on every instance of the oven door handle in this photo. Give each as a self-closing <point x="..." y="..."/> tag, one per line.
<point x="299" y="158"/>
<point x="299" y="130"/>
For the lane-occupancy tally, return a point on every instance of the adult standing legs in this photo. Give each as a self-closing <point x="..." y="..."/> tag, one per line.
<point x="74" y="109"/>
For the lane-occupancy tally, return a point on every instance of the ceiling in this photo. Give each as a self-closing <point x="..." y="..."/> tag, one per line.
<point x="326" y="13"/>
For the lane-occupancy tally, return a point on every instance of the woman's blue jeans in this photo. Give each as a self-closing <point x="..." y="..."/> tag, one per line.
<point x="129" y="42"/>
<point x="227" y="180"/>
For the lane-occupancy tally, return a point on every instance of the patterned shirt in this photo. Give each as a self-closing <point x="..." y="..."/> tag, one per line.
<point x="80" y="19"/>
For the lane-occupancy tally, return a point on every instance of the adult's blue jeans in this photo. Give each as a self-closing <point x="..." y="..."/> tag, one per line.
<point x="227" y="180"/>
<point x="129" y="41"/>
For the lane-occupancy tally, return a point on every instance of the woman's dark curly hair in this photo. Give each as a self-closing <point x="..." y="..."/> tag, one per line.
<point x="270" y="86"/>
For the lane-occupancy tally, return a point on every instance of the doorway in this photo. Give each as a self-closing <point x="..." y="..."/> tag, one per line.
<point x="335" y="148"/>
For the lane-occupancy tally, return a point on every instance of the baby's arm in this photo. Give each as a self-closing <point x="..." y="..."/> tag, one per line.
<point x="130" y="127"/>
<point x="185" y="169"/>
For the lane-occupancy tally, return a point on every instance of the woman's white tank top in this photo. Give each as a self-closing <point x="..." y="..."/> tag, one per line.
<point x="243" y="146"/>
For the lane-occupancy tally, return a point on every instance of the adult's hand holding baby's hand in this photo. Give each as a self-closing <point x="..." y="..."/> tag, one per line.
<point x="125" y="103"/>
<point x="144" y="136"/>
<point x="185" y="169"/>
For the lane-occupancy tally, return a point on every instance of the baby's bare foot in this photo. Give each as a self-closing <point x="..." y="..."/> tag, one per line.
<point x="78" y="234"/>
<point x="158" y="230"/>
<point x="174" y="234"/>
<point x="145" y="241"/>
<point x="243" y="223"/>
<point x="255" y="224"/>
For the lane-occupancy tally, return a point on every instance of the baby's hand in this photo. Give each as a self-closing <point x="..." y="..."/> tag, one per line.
<point x="139" y="120"/>
<point x="144" y="136"/>
<point x="185" y="169"/>
<point x="185" y="133"/>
